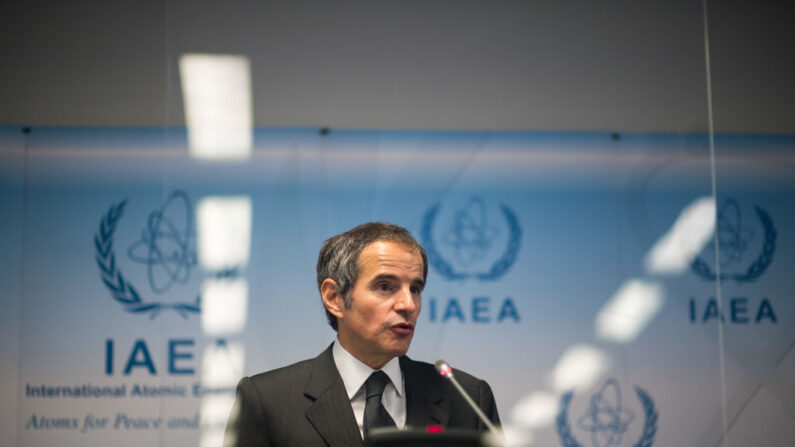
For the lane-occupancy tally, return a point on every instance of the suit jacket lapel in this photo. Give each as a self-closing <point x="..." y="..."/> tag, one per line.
<point x="425" y="403"/>
<point x="331" y="412"/>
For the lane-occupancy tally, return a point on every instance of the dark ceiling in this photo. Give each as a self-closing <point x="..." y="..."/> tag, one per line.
<point x="441" y="64"/>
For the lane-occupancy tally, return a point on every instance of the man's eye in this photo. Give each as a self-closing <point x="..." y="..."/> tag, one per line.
<point x="416" y="290"/>
<point x="384" y="287"/>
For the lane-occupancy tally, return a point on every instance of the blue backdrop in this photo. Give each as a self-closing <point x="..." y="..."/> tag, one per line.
<point x="576" y="272"/>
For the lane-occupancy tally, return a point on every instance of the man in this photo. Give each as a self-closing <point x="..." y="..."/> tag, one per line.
<point x="370" y="280"/>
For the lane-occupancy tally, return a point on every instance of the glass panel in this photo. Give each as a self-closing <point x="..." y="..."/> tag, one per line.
<point x="752" y="254"/>
<point x="561" y="180"/>
<point x="12" y="228"/>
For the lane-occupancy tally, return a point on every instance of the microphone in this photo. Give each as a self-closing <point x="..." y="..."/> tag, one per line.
<point x="447" y="372"/>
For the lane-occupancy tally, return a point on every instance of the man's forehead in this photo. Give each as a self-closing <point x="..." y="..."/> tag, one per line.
<point x="386" y="252"/>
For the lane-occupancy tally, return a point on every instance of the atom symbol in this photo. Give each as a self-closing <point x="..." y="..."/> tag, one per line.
<point x="733" y="237"/>
<point x="471" y="236"/>
<point x="605" y="418"/>
<point x="163" y="248"/>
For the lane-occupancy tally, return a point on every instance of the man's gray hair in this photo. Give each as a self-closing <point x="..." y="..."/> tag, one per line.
<point x="339" y="256"/>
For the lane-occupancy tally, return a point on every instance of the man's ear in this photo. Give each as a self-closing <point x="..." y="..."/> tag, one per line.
<point x="333" y="301"/>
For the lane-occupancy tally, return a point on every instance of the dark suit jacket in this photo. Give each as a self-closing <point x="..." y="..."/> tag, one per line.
<point x="305" y="404"/>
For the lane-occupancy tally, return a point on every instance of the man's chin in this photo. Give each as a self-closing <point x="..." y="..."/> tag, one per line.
<point x="400" y="349"/>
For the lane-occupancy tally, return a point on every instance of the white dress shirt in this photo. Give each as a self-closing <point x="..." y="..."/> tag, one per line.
<point x="354" y="373"/>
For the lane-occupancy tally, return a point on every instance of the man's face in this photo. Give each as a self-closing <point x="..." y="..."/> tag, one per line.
<point x="386" y="301"/>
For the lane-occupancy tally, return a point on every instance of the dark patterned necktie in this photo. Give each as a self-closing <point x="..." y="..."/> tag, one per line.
<point x="375" y="415"/>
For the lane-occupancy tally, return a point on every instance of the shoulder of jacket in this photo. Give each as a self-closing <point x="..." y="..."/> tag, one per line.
<point x="285" y="373"/>
<point x="464" y="378"/>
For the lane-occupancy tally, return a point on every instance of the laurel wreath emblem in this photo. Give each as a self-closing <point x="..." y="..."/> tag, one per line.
<point x="120" y="289"/>
<point x="497" y="269"/>
<point x="756" y="268"/>
<point x="651" y="416"/>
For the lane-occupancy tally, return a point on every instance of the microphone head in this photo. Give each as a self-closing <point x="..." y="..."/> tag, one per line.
<point x="443" y="368"/>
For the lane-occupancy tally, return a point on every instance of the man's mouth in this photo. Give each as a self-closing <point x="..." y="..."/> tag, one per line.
<point x="403" y="328"/>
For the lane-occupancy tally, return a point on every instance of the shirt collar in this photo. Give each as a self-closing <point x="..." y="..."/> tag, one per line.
<point x="354" y="373"/>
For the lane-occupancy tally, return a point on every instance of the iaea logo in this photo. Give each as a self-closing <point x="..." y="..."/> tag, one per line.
<point x="606" y="418"/>
<point x="165" y="248"/>
<point x="471" y="240"/>
<point x="735" y="239"/>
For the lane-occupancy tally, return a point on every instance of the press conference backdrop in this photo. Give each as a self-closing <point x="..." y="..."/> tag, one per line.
<point x="584" y="275"/>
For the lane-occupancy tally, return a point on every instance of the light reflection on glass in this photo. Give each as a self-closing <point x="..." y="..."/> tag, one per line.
<point x="628" y="312"/>
<point x="578" y="368"/>
<point x="216" y="90"/>
<point x="536" y="410"/>
<point x="516" y="436"/>
<point x="222" y="364"/>
<point x="214" y="412"/>
<point x="224" y="230"/>
<point x="691" y="231"/>
<point x="224" y="305"/>
<point x="224" y="238"/>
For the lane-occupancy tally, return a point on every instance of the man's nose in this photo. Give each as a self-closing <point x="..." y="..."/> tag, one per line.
<point x="405" y="300"/>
